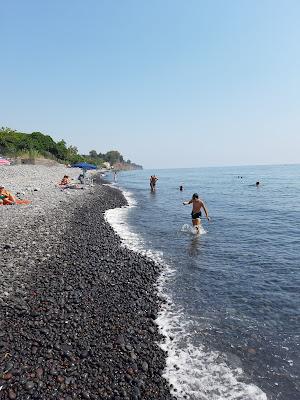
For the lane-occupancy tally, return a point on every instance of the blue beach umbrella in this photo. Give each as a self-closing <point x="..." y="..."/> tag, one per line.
<point x="84" y="165"/>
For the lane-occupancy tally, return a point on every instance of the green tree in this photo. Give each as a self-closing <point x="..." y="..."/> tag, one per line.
<point x="61" y="151"/>
<point x="93" y="154"/>
<point x="35" y="143"/>
<point x="72" y="151"/>
<point x="41" y="142"/>
<point x="112" y="157"/>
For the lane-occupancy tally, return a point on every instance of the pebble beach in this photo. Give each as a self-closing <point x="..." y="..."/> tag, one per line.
<point x="77" y="309"/>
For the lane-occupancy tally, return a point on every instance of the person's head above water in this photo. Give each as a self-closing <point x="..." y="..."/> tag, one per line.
<point x="195" y="196"/>
<point x="257" y="183"/>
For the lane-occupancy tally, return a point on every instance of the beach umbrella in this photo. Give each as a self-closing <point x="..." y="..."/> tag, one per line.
<point x="3" y="161"/>
<point x="84" y="165"/>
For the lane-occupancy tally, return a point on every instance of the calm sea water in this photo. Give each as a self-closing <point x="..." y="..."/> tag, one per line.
<point x="232" y="318"/>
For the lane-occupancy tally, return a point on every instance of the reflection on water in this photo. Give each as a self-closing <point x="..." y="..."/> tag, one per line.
<point x="194" y="246"/>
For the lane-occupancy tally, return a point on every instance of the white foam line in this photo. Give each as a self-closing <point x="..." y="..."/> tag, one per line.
<point x="194" y="372"/>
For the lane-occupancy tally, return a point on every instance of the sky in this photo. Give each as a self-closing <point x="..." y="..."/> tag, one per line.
<point x="168" y="83"/>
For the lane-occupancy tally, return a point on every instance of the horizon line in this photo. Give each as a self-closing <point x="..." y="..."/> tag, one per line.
<point x="226" y="166"/>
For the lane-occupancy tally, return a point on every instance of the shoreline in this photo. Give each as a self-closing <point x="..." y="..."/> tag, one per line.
<point x="79" y="321"/>
<point x="182" y="355"/>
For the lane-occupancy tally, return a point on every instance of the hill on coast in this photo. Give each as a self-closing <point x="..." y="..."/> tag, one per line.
<point x="36" y="144"/>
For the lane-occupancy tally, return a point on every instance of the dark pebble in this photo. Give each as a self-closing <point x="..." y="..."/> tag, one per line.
<point x="39" y="372"/>
<point x="7" y="376"/>
<point x="145" y="366"/>
<point x="29" y="385"/>
<point x="11" y="394"/>
<point x="82" y="325"/>
<point x="60" y="379"/>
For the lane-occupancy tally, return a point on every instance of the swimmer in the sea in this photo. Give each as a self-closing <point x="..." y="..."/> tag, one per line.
<point x="257" y="184"/>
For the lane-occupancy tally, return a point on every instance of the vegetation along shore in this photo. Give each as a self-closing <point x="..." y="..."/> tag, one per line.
<point x="21" y="145"/>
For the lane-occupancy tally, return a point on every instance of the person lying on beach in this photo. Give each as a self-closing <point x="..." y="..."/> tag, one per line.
<point x="65" y="181"/>
<point x="6" y="198"/>
<point x="196" y="212"/>
<point x="67" y="184"/>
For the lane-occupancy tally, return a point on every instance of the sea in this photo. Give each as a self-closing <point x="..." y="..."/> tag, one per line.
<point x="231" y="312"/>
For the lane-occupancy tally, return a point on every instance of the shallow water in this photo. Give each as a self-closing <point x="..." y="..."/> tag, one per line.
<point x="232" y="319"/>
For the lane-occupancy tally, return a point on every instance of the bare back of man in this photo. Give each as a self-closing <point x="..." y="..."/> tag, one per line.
<point x="153" y="180"/>
<point x="198" y="204"/>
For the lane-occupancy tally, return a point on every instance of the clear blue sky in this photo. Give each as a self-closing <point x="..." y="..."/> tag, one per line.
<point x="168" y="83"/>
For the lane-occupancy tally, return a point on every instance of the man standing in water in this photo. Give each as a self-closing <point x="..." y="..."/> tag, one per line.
<point x="153" y="180"/>
<point x="196" y="212"/>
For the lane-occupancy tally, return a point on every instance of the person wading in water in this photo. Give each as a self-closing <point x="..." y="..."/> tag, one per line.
<point x="153" y="180"/>
<point x="196" y="212"/>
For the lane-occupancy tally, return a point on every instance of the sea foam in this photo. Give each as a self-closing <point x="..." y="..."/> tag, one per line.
<point x="194" y="372"/>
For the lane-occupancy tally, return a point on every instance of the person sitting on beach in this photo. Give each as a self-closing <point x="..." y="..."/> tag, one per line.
<point x="196" y="212"/>
<point x="153" y="180"/>
<point x="81" y="178"/>
<point x="65" y="181"/>
<point x="6" y="198"/>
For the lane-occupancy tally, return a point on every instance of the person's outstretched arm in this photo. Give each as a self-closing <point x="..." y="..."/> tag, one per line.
<point x="206" y="212"/>
<point x="185" y="203"/>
